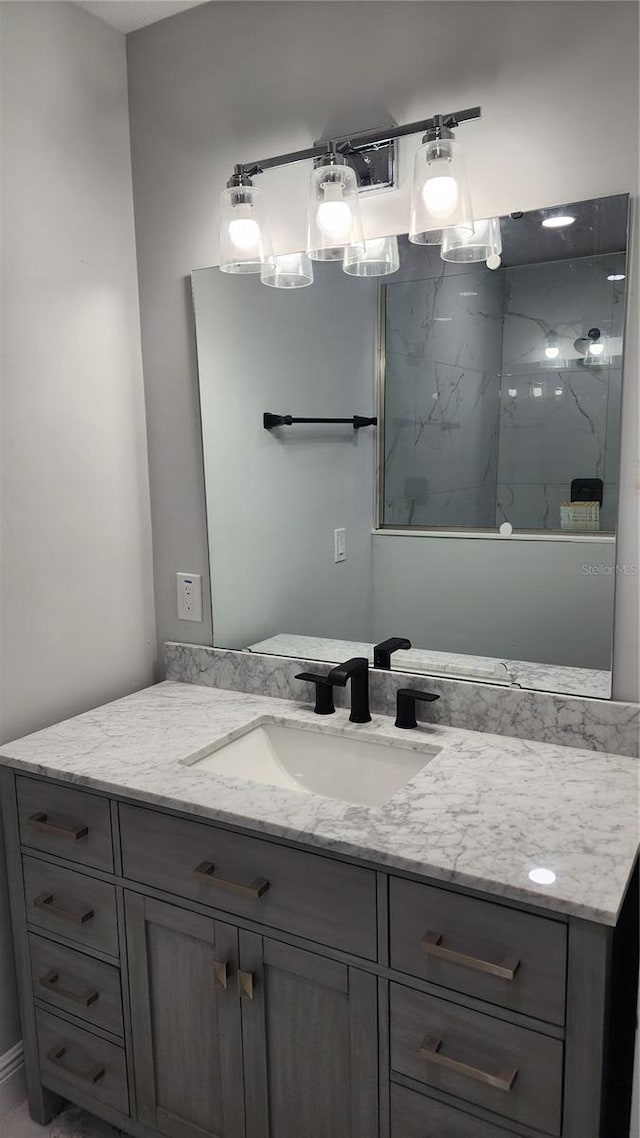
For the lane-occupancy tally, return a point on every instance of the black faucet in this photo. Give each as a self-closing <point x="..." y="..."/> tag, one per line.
<point x="406" y="705"/>
<point x="356" y="670"/>
<point x="324" y="692"/>
<point x="382" y="652"/>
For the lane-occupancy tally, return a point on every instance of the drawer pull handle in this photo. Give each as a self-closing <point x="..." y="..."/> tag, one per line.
<point x="41" y="822"/>
<point x="246" y="985"/>
<point x="206" y="872"/>
<point x="502" y="1081"/>
<point x="77" y="917"/>
<point x="51" y="980"/>
<point x="87" y="1074"/>
<point x="506" y="970"/>
<point x="221" y="973"/>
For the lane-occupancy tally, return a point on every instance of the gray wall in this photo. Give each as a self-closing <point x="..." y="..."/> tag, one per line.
<point x="77" y="621"/>
<point x="228" y="82"/>
<point x="275" y="498"/>
<point x="523" y="600"/>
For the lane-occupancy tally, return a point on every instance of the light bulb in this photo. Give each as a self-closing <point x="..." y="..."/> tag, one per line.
<point x="244" y="233"/>
<point x="596" y="349"/>
<point x="552" y="353"/>
<point x="440" y="195"/>
<point x="616" y="277"/>
<point x="334" y="213"/>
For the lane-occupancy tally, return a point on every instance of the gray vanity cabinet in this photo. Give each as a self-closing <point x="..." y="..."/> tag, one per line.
<point x="185" y="979"/>
<point x="220" y="1016"/>
<point x="185" y="1013"/>
<point x="310" y="1029"/>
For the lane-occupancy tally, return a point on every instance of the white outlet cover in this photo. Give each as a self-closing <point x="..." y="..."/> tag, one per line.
<point x="189" y="595"/>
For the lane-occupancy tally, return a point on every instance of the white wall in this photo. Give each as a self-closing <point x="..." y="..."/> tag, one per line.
<point x="230" y="82"/>
<point x="274" y="498"/>
<point x="77" y="592"/>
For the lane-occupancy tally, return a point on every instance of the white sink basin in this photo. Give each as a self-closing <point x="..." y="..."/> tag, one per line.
<point x="365" y="772"/>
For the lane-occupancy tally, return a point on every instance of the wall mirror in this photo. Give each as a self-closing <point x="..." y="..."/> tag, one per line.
<point x="476" y="516"/>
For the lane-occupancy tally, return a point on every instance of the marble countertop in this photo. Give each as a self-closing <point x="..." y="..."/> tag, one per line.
<point x="483" y="813"/>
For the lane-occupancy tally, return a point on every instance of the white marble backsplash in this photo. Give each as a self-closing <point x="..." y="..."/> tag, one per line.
<point x="593" y="724"/>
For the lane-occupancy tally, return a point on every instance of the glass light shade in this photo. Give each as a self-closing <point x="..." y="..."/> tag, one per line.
<point x="333" y="213"/>
<point x="288" y="270"/>
<point x="440" y="195"/>
<point x="462" y="246"/>
<point x="245" y="242"/>
<point x="380" y="258"/>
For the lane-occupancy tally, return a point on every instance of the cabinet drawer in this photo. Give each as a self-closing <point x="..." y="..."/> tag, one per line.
<point x="486" y="950"/>
<point x="415" y="1116"/>
<point x="509" y="1070"/>
<point x="77" y="983"/>
<point x="66" y="822"/>
<point x="71" y="904"/>
<point x="73" y="1059"/>
<point x="327" y="901"/>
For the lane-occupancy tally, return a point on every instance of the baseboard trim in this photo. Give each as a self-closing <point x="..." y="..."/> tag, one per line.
<point x="12" y="1084"/>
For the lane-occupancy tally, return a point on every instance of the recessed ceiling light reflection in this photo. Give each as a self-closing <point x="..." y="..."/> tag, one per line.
<point x="442" y="319"/>
<point x="542" y="876"/>
<point x="612" y="277"/>
<point x="558" y="221"/>
<point x="471" y="293"/>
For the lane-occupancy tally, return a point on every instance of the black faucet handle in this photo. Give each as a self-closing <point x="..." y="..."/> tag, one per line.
<point x="406" y="705"/>
<point x="382" y="652"/>
<point x="324" y="692"/>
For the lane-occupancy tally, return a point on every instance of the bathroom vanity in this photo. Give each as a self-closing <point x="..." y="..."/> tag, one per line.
<point x="205" y="957"/>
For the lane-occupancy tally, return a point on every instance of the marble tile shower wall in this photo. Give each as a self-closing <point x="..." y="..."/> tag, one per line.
<point x="442" y="390"/>
<point x="559" y="418"/>
<point x="480" y="426"/>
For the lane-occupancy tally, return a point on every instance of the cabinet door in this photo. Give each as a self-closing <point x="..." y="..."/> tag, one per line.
<point x="187" y="1039"/>
<point x="310" y="1041"/>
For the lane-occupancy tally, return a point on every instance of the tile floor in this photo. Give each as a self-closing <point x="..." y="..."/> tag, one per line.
<point x="72" y="1123"/>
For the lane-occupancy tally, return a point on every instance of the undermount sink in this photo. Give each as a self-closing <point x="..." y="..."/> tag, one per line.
<point x="366" y="772"/>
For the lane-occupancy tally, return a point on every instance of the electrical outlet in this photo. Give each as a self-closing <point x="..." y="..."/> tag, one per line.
<point x="189" y="587"/>
<point x="339" y="545"/>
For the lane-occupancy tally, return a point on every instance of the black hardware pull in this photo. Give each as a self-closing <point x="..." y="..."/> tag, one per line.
<point x="269" y="421"/>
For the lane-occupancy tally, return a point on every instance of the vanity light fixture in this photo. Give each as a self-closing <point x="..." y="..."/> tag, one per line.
<point x="380" y="258"/>
<point x="333" y="210"/>
<point x="558" y="221"/>
<point x="552" y="351"/>
<point x="288" y="270"/>
<point x="245" y="242"/>
<point x="483" y="242"/>
<point x="440" y="197"/>
<point x="344" y="167"/>
<point x="591" y="347"/>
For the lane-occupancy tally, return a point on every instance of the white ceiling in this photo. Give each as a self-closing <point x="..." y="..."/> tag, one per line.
<point x="127" y="15"/>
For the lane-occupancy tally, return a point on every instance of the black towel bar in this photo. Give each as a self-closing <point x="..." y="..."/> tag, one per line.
<point x="270" y="420"/>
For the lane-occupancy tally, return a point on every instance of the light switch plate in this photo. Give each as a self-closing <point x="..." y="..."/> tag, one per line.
<point x="339" y="545"/>
<point x="189" y="587"/>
